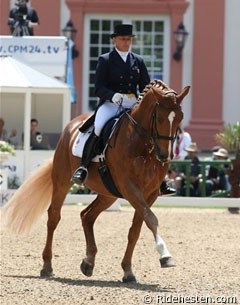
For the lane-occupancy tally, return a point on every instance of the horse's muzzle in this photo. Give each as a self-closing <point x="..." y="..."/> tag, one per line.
<point x="160" y="155"/>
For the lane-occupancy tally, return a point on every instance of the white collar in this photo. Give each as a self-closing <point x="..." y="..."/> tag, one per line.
<point x="123" y="54"/>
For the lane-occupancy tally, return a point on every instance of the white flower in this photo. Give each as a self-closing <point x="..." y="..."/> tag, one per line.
<point x="6" y="147"/>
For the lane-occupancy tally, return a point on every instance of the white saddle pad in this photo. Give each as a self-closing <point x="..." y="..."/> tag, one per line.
<point x="79" y="143"/>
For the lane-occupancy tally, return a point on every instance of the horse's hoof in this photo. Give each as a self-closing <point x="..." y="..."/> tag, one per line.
<point x="46" y="273"/>
<point x="129" y="279"/>
<point x="86" y="268"/>
<point x="167" y="262"/>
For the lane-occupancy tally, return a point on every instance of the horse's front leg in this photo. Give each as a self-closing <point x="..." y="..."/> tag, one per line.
<point x="151" y="221"/>
<point x="133" y="236"/>
<point x="144" y="214"/>
<point x="88" y="217"/>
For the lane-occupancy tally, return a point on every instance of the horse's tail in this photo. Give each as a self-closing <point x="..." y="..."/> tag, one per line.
<point x="30" y="200"/>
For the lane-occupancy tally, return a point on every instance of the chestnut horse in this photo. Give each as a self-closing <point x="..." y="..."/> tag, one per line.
<point x="137" y="156"/>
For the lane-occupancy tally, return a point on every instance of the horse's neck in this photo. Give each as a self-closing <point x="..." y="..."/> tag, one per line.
<point x="142" y="114"/>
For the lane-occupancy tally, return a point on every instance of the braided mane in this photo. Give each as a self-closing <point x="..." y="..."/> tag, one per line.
<point x="158" y="87"/>
<point x="154" y="83"/>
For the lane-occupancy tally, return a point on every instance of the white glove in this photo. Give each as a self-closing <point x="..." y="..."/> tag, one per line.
<point x="128" y="102"/>
<point x="117" y="98"/>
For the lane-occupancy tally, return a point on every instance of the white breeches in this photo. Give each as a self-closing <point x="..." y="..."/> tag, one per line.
<point x="108" y="110"/>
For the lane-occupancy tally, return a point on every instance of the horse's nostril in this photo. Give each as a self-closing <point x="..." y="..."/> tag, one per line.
<point x="163" y="156"/>
<point x="160" y="155"/>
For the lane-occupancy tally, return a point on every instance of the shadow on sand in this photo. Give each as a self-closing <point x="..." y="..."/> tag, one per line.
<point x="98" y="283"/>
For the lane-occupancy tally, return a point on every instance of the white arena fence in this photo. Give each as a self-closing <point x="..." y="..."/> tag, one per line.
<point x="205" y="202"/>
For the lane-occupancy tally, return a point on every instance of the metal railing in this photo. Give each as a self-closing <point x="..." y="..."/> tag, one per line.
<point x="203" y="164"/>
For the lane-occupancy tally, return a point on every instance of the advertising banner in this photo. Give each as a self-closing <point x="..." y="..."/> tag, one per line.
<point x="47" y="54"/>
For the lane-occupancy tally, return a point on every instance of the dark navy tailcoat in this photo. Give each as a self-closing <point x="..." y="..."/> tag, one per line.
<point x="114" y="75"/>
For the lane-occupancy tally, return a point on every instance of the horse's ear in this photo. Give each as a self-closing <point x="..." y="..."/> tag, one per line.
<point x="182" y="94"/>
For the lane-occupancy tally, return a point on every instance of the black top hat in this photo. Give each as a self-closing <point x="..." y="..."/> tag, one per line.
<point x="122" y="30"/>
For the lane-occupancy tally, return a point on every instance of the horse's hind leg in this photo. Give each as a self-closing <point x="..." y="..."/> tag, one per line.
<point x="54" y="216"/>
<point x="88" y="216"/>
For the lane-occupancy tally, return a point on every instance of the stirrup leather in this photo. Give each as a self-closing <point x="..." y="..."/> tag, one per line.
<point x="89" y="152"/>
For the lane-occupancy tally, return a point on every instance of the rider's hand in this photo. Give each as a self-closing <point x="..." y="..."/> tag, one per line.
<point x="117" y="98"/>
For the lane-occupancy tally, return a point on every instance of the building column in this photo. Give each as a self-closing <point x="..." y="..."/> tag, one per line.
<point x="4" y="13"/>
<point x="77" y="17"/>
<point x="208" y="45"/>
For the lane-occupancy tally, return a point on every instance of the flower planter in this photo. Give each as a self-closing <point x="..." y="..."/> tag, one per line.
<point x="4" y="155"/>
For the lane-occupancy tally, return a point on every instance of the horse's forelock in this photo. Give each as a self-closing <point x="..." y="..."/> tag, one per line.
<point x="169" y="100"/>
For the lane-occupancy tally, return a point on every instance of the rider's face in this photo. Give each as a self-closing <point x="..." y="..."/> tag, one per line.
<point x="22" y="2"/>
<point x="122" y="43"/>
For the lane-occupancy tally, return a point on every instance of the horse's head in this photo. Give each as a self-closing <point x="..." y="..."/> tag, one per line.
<point x="166" y="115"/>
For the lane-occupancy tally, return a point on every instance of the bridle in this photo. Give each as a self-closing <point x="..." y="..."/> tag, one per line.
<point x="154" y="134"/>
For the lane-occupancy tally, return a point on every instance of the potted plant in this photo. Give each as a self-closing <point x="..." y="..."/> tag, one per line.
<point x="230" y="139"/>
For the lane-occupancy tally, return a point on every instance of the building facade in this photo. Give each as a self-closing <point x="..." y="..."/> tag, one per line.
<point x="210" y="63"/>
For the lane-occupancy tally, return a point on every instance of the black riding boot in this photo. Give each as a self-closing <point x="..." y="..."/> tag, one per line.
<point x="89" y="152"/>
<point x="166" y="189"/>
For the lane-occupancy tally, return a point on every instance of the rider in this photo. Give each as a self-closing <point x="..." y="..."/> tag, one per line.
<point x="120" y="76"/>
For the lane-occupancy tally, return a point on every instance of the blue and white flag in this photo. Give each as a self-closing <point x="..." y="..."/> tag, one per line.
<point x="70" y="80"/>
